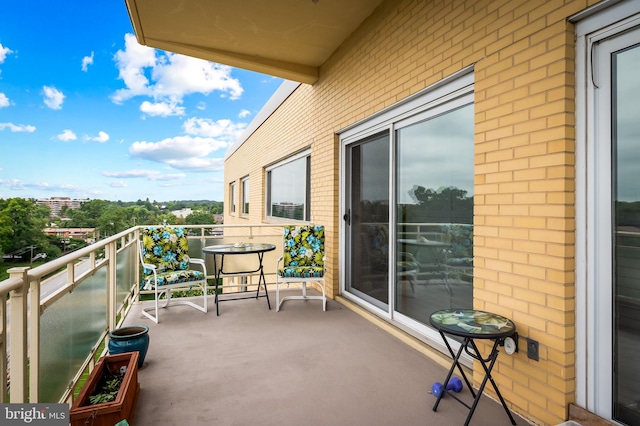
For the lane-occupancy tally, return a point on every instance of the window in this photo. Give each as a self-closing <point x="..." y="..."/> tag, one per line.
<point x="232" y="198"/>
<point x="288" y="188"/>
<point x="245" y="196"/>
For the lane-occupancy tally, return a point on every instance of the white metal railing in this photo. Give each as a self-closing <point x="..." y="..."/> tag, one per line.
<point x="20" y="326"/>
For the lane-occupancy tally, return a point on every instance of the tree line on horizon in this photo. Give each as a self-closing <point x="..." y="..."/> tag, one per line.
<point x="22" y="221"/>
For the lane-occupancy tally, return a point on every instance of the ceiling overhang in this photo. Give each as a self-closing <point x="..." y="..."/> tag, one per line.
<point x="290" y="39"/>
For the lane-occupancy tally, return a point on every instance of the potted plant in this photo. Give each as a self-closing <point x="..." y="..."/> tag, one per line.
<point x="110" y="393"/>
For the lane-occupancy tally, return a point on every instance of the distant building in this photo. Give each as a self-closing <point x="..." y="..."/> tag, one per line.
<point x="182" y="213"/>
<point x="56" y="203"/>
<point x="86" y="234"/>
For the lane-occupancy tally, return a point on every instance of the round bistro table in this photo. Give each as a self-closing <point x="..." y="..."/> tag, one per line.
<point x="473" y="325"/>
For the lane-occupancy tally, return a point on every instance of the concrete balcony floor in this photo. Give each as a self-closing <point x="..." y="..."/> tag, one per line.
<point x="299" y="366"/>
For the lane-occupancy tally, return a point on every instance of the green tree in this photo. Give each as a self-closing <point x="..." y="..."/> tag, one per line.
<point x="87" y="215"/>
<point x="139" y="215"/>
<point x="445" y="205"/>
<point x="113" y="220"/>
<point x="21" y="224"/>
<point x="200" y="218"/>
<point x="168" y="218"/>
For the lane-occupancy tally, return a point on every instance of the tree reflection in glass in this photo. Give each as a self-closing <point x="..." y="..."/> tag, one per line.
<point x="434" y="190"/>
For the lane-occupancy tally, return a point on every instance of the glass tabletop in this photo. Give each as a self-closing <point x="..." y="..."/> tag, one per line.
<point x="472" y="323"/>
<point x="239" y="248"/>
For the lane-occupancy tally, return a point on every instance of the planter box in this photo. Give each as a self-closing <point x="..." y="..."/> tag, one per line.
<point x="108" y="413"/>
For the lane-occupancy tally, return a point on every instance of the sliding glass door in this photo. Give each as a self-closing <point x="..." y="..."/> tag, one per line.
<point x="367" y="219"/>
<point x="408" y="206"/>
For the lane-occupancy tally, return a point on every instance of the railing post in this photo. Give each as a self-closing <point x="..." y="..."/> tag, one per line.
<point x="3" y="348"/>
<point x="18" y="336"/>
<point x="136" y="260"/>
<point x="34" y="342"/>
<point x="111" y="256"/>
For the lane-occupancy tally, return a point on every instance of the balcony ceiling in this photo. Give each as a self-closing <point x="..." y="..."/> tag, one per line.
<point x="284" y="38"/>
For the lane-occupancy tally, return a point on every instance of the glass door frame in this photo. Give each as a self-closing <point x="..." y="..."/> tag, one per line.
<point x="593" y="243"/>
<point x="370" y="301"/>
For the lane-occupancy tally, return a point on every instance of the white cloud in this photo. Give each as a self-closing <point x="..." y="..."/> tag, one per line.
<point x="222" y="129"/>
<point x="131" y="63"/>
<point x="244" y="113"/>
<point x="181" y="75"/>
<point x="163" y="109"/>
<point x="169" y="76"/>
<point x="169" y="177"/>
<point x="181" y="152"/>
<point x="53" y="98"/>
<point x="197" y="164"/>
<point x="86" y="61"/>
<point x="4" y="51"/>
<point x="118" y="184"/>
<point x="148" y="174"/>
<point x="66" y="136"/>
<point x="18" y="127"/>
<point x="201" y="106"/>
<point x="20" y="185"/>
<point x="4" y="101"/>
<point x="102" y="137"/>
<point x="131" y="174"/>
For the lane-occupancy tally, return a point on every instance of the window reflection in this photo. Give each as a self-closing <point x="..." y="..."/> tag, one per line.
<point x="434" y="193"/>
<point x="287" y="190"/>
<point x="245" y="196"/>
<point x="626" y="255"/>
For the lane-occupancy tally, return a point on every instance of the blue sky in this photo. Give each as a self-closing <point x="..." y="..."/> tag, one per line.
<point x="86" y="112"/>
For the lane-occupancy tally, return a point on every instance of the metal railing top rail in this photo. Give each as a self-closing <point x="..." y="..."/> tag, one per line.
<point x="10" y="284"/>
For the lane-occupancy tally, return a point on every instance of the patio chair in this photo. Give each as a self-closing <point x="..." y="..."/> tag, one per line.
<point x="164" y="254"/>
<point x="303" y="261"/>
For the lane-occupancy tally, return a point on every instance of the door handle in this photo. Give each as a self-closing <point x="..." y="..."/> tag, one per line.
<point x="347" y="217"/>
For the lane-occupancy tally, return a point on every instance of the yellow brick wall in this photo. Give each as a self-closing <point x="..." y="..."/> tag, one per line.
<point x="523" y="57"/>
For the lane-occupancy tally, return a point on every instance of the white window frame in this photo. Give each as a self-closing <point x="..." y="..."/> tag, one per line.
<point x="245" y="196"/>
<point x="233" y="208"/>
<point x="306" y="154"/>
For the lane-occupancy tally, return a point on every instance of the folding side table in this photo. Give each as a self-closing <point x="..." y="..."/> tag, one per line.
<point x="223" y="250"/>
<point x="472" y="325"/>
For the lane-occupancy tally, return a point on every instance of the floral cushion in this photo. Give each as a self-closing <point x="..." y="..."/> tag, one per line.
<point x="168" y="249"/>
<point x="303" y="252"/>
<point x="173" y="277"/>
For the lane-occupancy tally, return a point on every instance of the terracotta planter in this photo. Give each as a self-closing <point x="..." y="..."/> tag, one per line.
<point x="108" y="413"/>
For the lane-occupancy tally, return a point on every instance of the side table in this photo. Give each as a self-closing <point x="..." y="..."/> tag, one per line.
<point x="473" y="325"/>
<point x="223" y="250"/>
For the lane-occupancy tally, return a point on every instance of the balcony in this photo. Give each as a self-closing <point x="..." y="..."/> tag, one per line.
<point x="250" y="365"/>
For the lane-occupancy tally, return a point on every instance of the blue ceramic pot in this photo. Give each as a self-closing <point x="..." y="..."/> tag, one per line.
<point x="130" y="339"/>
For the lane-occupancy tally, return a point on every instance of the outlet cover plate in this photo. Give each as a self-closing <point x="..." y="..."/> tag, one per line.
<point x="533" y="349"/>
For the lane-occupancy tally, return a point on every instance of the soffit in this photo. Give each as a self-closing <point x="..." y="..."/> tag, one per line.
<point x="284" y="38"/>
